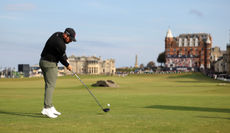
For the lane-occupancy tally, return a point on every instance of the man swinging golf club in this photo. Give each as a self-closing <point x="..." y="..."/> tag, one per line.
<point x="53" y="52"/>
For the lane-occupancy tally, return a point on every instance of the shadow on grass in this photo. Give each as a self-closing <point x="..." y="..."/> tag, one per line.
<point x="100" y="113"/>
<point x="213" y="117"/>
<point x="184" y="108"/>
<point x="38" y="115"/>
<point x="189" y="81"/>
<point x="199" y="77"/>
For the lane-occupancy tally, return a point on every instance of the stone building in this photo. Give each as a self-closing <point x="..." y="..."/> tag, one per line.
<point x="228" y="59"/>
<point x="219" y="65"/>
<point x="187" y="51"/>
<point x="216" y="54"/>
<point x="91" y="65"/>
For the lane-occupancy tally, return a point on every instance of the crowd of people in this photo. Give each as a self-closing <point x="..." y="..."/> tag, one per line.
<point x="214" y="75"/>
<point x="209" y="73"/>
<point x="163" y="72"/>
<point x="180" y="62"/>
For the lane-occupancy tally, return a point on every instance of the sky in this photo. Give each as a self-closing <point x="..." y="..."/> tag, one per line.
<point x="118" y="29"/>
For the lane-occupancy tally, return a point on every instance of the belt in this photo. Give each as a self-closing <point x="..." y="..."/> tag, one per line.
<point x="42" y="58"/>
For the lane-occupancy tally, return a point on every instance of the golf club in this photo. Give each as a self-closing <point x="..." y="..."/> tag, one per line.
<point x="106" y="109"/>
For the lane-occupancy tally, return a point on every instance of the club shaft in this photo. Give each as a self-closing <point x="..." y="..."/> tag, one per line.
<point x="87" y="89"/>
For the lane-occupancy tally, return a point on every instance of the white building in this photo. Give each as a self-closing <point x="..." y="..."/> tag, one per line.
<point x="91" y="65"/>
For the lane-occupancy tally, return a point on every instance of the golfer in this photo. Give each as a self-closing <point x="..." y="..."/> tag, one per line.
<point x="53" y="52"/>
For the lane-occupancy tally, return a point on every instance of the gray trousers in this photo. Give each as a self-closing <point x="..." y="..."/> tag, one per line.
<point x="50" y="74"/>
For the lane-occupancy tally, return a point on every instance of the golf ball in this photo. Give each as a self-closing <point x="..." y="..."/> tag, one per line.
<point x="108" y="104"/>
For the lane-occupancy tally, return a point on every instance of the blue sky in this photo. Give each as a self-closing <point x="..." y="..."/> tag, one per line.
<point x="110" y="29"/>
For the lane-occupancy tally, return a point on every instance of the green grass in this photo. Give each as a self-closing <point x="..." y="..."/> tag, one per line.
<point x="180" y="103"/>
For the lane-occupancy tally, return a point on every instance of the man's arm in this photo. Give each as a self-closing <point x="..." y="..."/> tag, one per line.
<point x="69" y="67"/>
<point x="63" y="58"/>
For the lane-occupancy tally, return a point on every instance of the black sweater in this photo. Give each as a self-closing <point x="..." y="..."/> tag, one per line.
<point x="54" y="49"/>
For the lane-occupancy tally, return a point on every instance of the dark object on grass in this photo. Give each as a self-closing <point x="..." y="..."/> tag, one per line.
<point x="105" y="83"/>
<point x="106" y="110"/>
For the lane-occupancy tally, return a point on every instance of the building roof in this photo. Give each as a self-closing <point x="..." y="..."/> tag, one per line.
<point x="223" y="52"/>
<point x="204" y="36"/>
<point x="93" y="58"/>
<point x="208" y="40"/>
<point x="72" y="56"/>
<point x="169" y="33"/>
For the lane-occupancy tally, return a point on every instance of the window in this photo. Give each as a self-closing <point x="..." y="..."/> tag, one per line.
<point x="180" y="49"/>
<point x="185" y="49"/>
<point x="180" y="42"/>
<point x="89" y="70"/>
<point x="190" y="49"/>
<point x="196" y="42"/>
<point x="185" y="42"/>
<point x="174" y="49"/>
<point x="191" y="42"/>
<point x="95" y="69"/>
<point x="196" y="49"/>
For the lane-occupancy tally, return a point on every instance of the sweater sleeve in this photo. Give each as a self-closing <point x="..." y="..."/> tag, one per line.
<point x="62" y="56"/>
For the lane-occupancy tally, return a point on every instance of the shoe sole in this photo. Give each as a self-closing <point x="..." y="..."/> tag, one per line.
<point x="47" y="115"/>
<point x="43" y="113"/>
<point x="57" y="114"/>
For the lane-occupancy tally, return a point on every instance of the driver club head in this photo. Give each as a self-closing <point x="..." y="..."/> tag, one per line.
<point x="106" y="110"/>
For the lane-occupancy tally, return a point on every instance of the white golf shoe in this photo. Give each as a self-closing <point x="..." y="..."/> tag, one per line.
<point x="49" y="113"/>
<point x="55" y="111"/>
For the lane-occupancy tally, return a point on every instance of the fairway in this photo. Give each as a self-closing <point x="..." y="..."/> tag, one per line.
<point x="177" y="103"/>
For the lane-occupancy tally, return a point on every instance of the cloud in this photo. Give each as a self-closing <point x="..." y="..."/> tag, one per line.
<point x="196" y="12"/>
<point x="19" y="7"/>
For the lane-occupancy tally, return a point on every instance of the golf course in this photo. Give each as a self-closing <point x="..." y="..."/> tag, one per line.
<point x="152" y="103"/>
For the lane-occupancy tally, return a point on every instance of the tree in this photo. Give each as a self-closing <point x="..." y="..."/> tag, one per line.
<point x="161" y="58"/>
<point x="151" y="65"/>
<point x="142" y="65"/>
